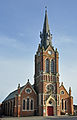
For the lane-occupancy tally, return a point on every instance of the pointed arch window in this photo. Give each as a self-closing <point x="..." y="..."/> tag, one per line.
<point x="65" y="105"/>
<point x="31" y="104"/>
<point x="52" y="66"/>
<point x="27" y="103"/>
<point x="62" y="104"/>
<point x="47" y="65"/>
<point x="24" y="104"/>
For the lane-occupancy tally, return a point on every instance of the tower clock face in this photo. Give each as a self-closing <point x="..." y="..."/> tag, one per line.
<point x="50" y="52"/>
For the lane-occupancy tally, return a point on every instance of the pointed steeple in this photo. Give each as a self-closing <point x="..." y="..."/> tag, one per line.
<point x="46" y="25"/>
<point x="45" y="35"/>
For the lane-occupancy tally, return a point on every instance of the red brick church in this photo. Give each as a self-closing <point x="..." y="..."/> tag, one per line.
<point x="46" y="97"/>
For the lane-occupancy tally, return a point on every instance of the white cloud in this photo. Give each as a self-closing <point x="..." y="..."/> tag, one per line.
<point x="8" y="42"/>
<point x="64" y="39"/>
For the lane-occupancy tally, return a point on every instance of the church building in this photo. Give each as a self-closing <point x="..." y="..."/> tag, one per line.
<point x="46" y="97"/>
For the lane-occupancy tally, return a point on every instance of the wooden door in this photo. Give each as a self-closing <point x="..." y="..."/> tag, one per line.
<point x="50" y="111"/>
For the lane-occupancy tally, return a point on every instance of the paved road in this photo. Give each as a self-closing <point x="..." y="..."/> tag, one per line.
<point x="40" y="118"/>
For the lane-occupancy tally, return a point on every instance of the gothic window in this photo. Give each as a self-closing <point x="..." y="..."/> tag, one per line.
<point x="52" y="66"/>
<point x="47" y="65"/>
<point x="23" y="104"/>
<point x="27" y="103"/>
<point x="31" y="104"/>
<point x="65" y="105"/>
<point x="62" y="104"/>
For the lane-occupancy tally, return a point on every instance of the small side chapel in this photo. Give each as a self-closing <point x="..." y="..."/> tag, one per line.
<point x="46" y="97"/>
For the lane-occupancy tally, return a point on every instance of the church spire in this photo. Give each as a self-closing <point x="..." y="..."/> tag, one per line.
<point x="46" y="26"/>
<point x="45" y="35"/>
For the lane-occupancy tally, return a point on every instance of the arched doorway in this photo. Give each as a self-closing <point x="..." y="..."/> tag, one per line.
<point x="50" y="107"/>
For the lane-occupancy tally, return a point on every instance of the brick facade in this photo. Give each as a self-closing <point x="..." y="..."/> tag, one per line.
<point x="46" y="97"/>
<point x="14" y="107"/>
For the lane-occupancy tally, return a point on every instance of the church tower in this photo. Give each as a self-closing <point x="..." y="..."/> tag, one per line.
<point x="46" y="78"/>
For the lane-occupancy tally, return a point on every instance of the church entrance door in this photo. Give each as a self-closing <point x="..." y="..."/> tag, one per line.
<point x="50" y="111"/>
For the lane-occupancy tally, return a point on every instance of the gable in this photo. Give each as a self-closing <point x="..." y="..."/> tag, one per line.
<point x="49" y="48"/>
<point x="63" y="92"/>
<point x="28" y="89"/>
<point x="14" y="93"/>
<point x="49" y="52"/>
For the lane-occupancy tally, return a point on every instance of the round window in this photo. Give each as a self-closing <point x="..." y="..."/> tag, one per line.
<point x="50" y="102"/>
<point x="28" y="90"/>
<point x="62" y="92"/>
<point x="50" y="87"/>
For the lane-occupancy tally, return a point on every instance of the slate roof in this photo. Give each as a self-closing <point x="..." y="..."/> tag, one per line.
<point x="14" y="93"/>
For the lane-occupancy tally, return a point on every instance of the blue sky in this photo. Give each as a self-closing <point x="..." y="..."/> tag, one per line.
<point x="20" y="24"/>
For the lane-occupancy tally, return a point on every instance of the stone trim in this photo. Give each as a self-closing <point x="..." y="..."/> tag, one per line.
<point x="29" y="104"/>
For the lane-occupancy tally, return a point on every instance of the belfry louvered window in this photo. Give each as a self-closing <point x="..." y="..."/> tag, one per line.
<point x="52" y="66"/>
<point x="47" y="65"/>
